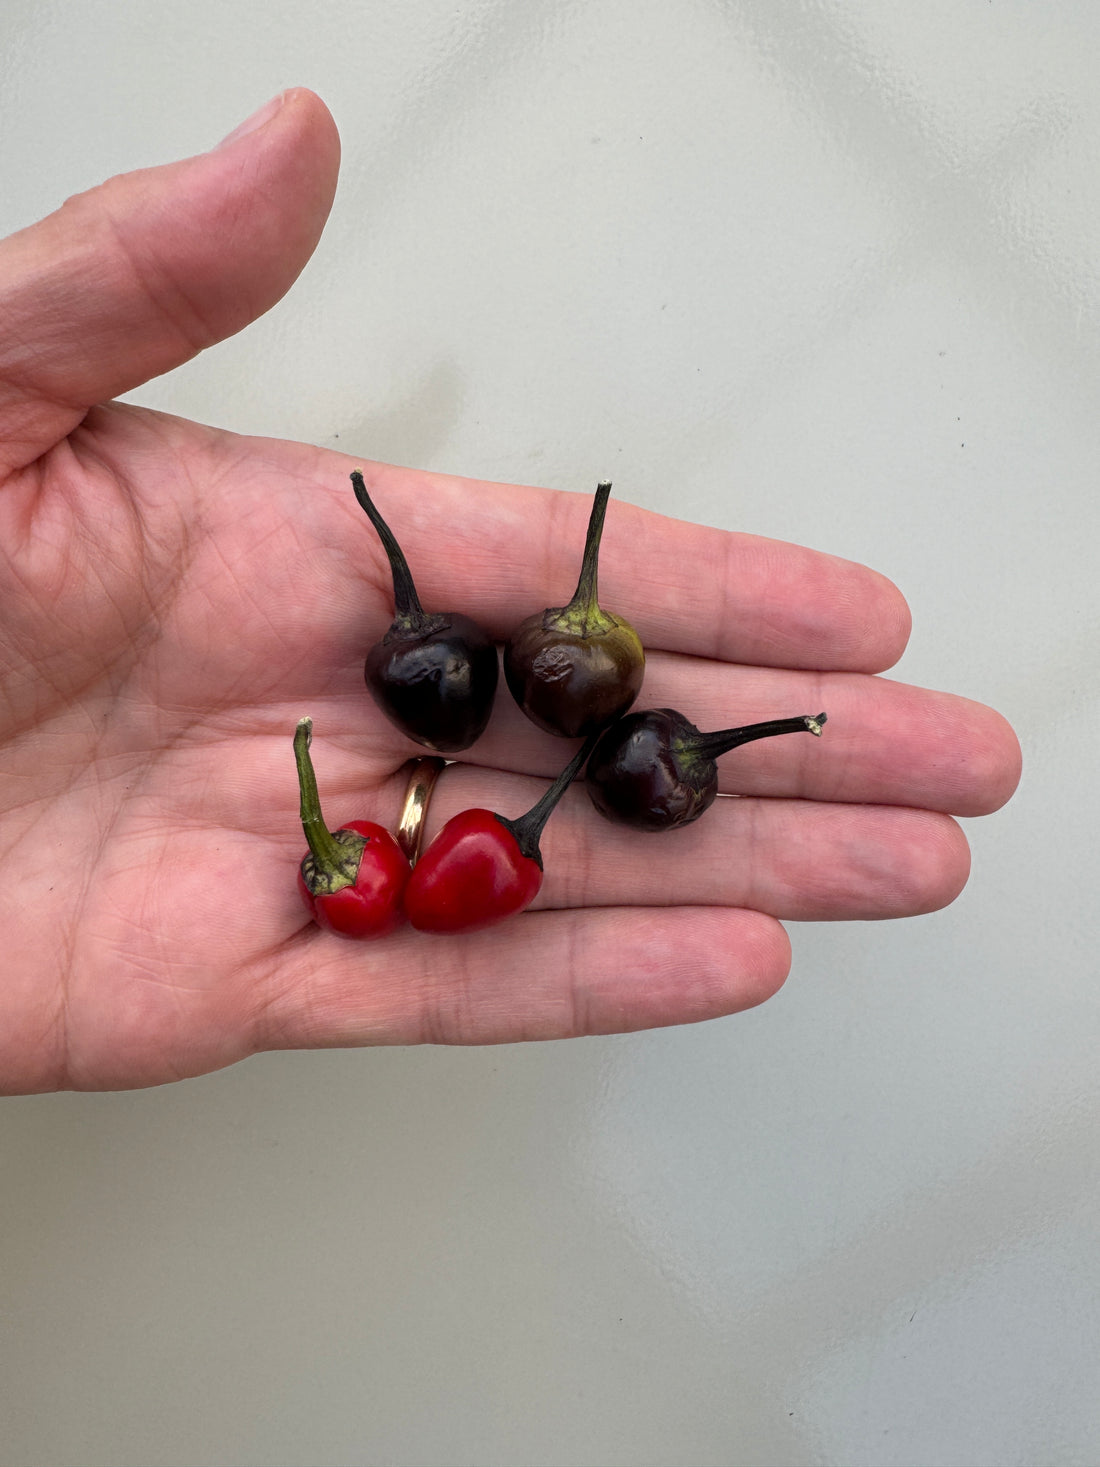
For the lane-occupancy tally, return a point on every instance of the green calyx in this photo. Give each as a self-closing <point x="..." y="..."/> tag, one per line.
<point x="583" y="617"/>
<point x="334" y="856"/>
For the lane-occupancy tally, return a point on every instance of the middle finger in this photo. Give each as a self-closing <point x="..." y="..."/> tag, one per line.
<point x="885" y="742"/>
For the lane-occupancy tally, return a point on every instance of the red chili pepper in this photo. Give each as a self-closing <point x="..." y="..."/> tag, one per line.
<point x="481" y="868"/>
<point x="353" y="879"/>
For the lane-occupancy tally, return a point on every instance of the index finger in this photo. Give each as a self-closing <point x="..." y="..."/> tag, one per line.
<point x="501" y="552"/>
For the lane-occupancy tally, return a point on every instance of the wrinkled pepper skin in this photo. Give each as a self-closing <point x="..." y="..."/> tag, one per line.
<point x="638" y="775"/>
<point x="373" y="906"/>
<point x="574" y="669"/>
<point x="654" y="770"/>
<point x="435" y="681"/>
<point x="573" y="684"/>
<point x="472" y="876"/>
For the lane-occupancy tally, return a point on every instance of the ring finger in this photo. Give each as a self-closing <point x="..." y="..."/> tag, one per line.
<point x="793" y="859"/>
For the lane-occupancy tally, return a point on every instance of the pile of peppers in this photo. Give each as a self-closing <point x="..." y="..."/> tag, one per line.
<point x="575" y="671"/>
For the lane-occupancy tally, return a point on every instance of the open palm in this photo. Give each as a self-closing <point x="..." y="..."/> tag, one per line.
<point x="174" y="598"/>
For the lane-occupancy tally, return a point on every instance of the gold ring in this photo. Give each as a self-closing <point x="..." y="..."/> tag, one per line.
<point x="423" y="774"/>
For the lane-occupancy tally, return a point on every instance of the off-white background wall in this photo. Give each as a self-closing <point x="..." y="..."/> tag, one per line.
<point x="824" y="270"/>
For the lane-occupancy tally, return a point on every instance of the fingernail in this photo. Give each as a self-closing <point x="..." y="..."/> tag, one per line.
<point x="263" y="115"/>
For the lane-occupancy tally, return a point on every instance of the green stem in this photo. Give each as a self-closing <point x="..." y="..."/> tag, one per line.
<point x="322" y="844"/>
<point x="585" y="597"/>
<point x="405" y="600"/>
<point x="711" y="745"/>
<point x="528" y="828"/>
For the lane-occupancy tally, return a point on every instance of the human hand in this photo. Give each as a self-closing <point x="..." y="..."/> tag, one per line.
<point x="175" y="598"/>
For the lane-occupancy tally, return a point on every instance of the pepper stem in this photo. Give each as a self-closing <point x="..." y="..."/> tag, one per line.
<point x="406" y="602"/>
<point x="711" y="745"/>
<point x="323" y="845"/>
<point x="585" y="597"/>
<point x="528" y="828"/>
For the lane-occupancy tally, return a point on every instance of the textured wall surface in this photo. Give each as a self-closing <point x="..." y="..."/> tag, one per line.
<point x="822" y="271"/>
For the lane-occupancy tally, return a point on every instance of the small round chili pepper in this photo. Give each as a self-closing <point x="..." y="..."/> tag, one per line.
<point x="654" y="770"/>
<point x="353" y="879"/>
<point x="574" y="669"/>
<point x="434" y="675"/>
<point x="481" y="867"/>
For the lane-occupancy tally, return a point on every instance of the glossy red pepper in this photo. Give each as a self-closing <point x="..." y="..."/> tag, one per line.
<point x="481" y="867"/>
<point x="352" y="880"/>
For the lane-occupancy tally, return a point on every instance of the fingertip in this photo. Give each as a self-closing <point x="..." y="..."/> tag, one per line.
<point x="137" y="275"/>
<point x="855" y="619"/>
<point x="277" y="173"/>
<point x="988" y="772"/>
<point x="311" y="135"/>
<point x="684" y="966"/>
<point x="766" y="954"/>
<point x="295" y="107"/>
<point x="929" y="870"/>
<point x="1000" y="754"/>
<point x="891" y="618"/>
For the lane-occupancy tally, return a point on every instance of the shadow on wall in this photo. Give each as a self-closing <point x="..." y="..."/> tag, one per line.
<point x="413" y="430"/>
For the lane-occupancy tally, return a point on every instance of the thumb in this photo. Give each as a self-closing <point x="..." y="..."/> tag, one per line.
<point x="140" y="274"/>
